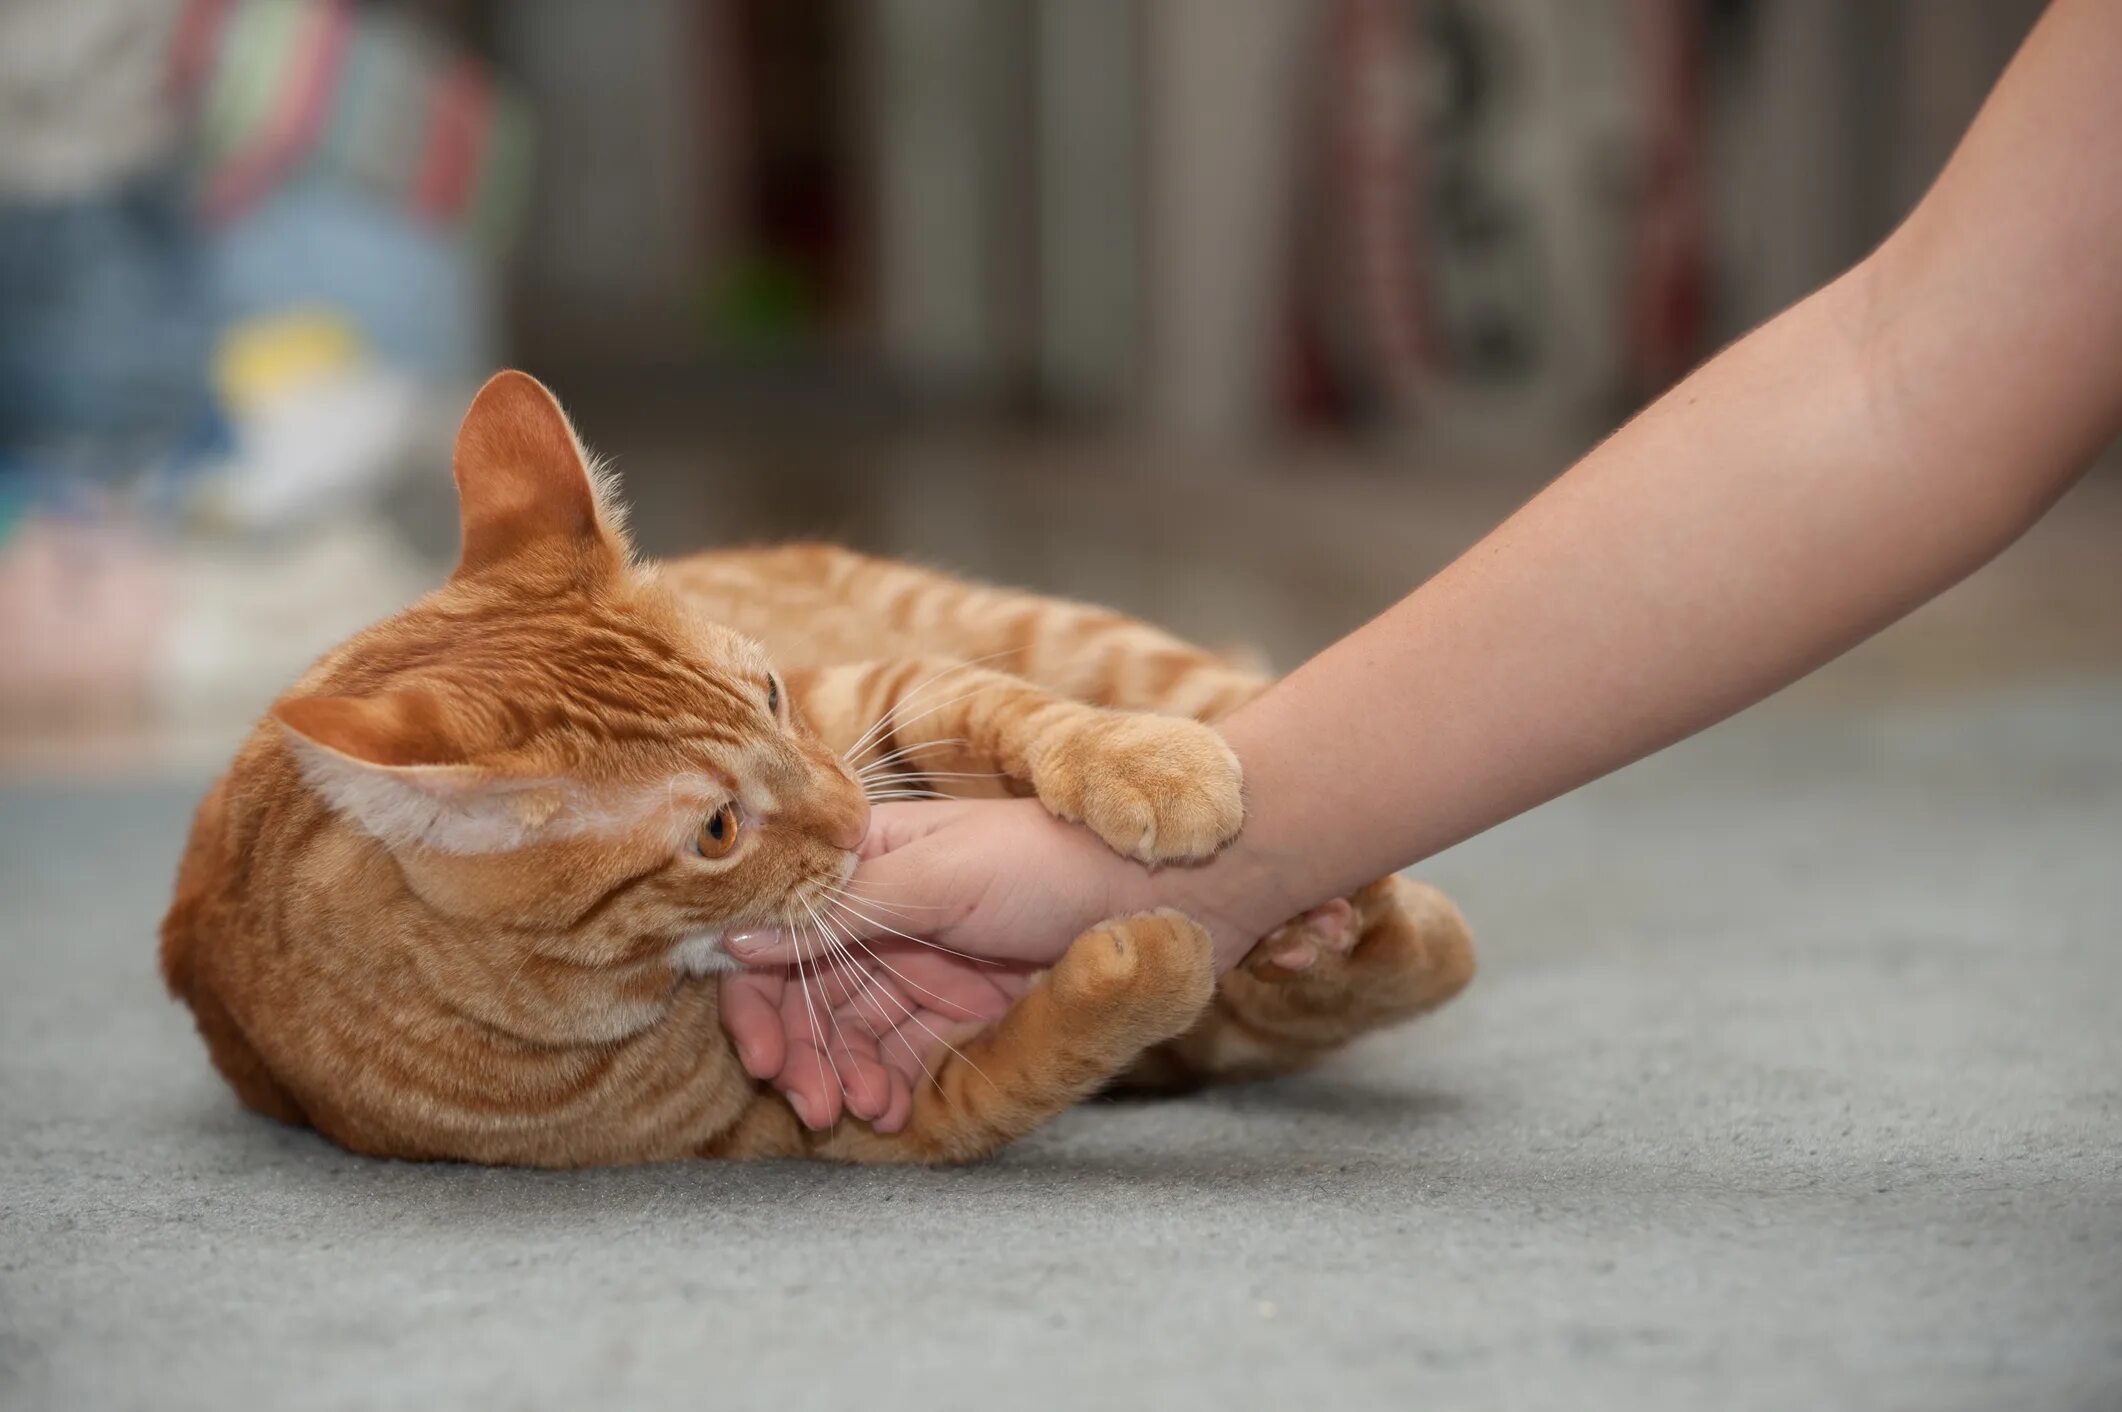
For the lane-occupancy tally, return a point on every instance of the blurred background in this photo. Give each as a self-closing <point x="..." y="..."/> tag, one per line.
<point x="1243" y="316"/>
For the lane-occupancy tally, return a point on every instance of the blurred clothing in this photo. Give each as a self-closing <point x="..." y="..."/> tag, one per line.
<point x="83" y="94"/>
<point x="421" y="302"/>
<point x="357" y="99"/>
<point x="107" y="324"/>
<point x="105" y="318"/>
<point x="246" y="258"/>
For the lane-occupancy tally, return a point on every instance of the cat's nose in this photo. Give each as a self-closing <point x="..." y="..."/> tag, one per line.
<point x="848" y="824"/>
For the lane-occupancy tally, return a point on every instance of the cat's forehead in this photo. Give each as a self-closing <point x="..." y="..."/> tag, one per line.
<point x="650" y="606"/>
<point x="725" y="650"/>
<point x="648" y="641"/>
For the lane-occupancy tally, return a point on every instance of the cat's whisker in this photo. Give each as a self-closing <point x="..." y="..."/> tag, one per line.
<point x="877" y="994"/>
<point x="906" y="698"/>
<point x="924" y="684"/>
<point x="879" y="882"/>
<point x="889" y="910"/>
<point x="907" y="1008"/>
<point x="861" y="980"/>
<point x="844" y="905"/>
<point x="889" y="720"/>
<point x="903" y="752"/>
<point x="897" y="770"/>
<point x="893" y="781"/>
<point x="884" y="762"/>
<point x="942" y="705"/>
<point x="892" y="764"/>
<point x="877" y="958"/>
<point x="917" y="786"/>
<point x="863" y="742"/>
<point x="832" y="1016"/>
<point x="889" y="906"/>
<point x="854" y="972"/>
<point x="817" y="1031"/>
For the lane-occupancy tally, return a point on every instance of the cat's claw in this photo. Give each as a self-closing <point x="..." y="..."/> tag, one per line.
<point x="1159" y="789"/>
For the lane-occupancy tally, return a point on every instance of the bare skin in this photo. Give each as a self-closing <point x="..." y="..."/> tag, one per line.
<point x="1817" y="480"/>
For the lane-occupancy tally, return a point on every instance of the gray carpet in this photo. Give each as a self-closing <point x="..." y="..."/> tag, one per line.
<point x="1793" y="1079"/>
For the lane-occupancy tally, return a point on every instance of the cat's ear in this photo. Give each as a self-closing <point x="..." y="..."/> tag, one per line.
<point x="396" y="765"/>
<point x="524" y="486"/>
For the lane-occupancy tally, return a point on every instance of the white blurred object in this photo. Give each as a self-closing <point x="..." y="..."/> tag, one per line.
<point x="83" y="93"/>
<point x="319" y="424"/>
<point x="315" y="448"/>
<point x="245" y="621"/>
<point x="102" y="626"/>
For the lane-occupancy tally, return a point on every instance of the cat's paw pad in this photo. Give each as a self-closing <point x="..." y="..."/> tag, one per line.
<point x="1160" y="789"/>
<point x="1325" y="934"/>
<point x="1394" y="950"/>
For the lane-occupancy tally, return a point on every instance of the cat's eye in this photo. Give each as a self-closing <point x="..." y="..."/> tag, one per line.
<point x="718" y="835"/>
<point x="773" y="694"/>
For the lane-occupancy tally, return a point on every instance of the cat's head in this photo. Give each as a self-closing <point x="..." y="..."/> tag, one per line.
<point x="556" y="747"/>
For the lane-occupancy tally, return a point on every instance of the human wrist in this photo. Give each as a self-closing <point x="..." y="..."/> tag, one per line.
<point x="1220" y="895"/>
<point x="1254" y="884"/>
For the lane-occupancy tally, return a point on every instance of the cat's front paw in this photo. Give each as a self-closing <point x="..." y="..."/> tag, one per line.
<point x="1161" y="789"/>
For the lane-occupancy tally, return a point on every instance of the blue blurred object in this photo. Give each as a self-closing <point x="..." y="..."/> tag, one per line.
<point x="417" y="294"/>
<point x="111" y="308"/>
<point x="106" y="329"/>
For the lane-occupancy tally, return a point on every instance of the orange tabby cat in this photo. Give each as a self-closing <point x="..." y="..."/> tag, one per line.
<point x="461" y="894"/>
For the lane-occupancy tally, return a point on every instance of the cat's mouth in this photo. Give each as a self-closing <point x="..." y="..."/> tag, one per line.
<point x="809" y="916"/>
<point x="816" y="913"/>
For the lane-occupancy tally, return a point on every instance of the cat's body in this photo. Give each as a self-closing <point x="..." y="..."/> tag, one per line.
<point x="461" y="896"/>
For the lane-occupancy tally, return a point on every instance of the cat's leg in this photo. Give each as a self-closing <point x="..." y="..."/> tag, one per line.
<point x="1122" y="986"/>
<point x="1395" y="950"/>
<point x="1157" y="788"/>
<point x="820" y="603"/>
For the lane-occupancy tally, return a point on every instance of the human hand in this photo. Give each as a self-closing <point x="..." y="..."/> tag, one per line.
<point x="860" y="1029"/>
<point x="954" y="910"/>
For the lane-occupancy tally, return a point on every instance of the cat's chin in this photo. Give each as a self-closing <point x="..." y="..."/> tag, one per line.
<point x="701" y="954"/>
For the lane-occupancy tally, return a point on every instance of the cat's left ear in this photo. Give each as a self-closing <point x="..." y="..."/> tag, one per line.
<point x="399" y="765"/>
<point x="524" y="486"/>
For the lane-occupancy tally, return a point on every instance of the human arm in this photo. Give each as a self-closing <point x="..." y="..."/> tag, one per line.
<point x="1809" y="485"/>
<point x="1816" y="481"/>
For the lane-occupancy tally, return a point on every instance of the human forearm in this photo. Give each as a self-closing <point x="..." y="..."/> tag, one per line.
<point x="1704" y="555"/>
<point x="1803" y="489"/>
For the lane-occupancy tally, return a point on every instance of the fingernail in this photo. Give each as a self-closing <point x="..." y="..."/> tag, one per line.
<point x="754" y="941"/>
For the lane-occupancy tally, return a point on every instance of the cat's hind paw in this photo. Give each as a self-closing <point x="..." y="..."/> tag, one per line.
<point x="1327" y="933"/>
<point x="1396" y="949"/>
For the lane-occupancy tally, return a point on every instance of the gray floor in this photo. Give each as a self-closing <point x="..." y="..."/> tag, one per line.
<point x="1794" y="1079"/>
